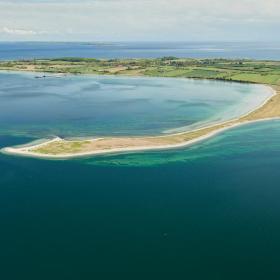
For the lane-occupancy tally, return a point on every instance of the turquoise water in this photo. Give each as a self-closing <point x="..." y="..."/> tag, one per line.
<point x="207" y="212"/>
<point x="72" y="106"/>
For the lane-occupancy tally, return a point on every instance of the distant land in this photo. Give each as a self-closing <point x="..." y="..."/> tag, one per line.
<point x="241" y="70"/>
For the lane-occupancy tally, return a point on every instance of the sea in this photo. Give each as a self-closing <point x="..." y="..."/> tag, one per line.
<point x="207" y="211"/>
<point x="111" y="50"/>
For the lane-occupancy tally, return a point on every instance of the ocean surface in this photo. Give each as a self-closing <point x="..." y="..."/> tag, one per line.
<point x="210" y="211"/>
<point x="30" y="50"/>
<point x="80" y="106"/>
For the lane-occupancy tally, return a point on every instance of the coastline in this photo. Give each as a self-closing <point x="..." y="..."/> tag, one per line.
<point x="58" y="148"/>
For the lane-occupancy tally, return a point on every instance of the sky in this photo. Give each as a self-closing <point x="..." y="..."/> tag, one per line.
<point x="139" y="20"/>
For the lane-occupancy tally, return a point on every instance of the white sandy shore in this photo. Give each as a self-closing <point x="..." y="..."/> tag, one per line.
<point x="26" y="151"/>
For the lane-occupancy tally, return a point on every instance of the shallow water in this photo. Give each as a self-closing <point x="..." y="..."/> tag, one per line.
<point x="74" y="106"/>
<point x="210" y="211"/>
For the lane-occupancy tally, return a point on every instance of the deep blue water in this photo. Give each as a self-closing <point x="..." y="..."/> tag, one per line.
<point x="30" y="50"/>
<point x="210" y="211"/>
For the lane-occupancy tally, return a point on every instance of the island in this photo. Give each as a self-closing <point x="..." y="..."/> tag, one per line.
<point x="245" y="71"/>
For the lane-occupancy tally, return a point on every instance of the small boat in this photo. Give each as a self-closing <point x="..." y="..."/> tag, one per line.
<point x="40" y="77"/>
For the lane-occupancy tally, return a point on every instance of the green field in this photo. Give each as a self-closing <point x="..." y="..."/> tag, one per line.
<point x="267" y="72"/>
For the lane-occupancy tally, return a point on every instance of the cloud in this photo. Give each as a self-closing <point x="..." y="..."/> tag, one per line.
<point x="139" y="20"/>
<point x="20" y="32"/>
<point x="12" y="31"/>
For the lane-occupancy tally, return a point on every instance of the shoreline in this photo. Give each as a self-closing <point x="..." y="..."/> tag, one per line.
<point x="21" y="152"/>
<point x="51" y="149"/>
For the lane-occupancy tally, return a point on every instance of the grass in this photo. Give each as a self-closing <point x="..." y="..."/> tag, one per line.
<point x="63" y="147"/>
<point x="267" y="72"/>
